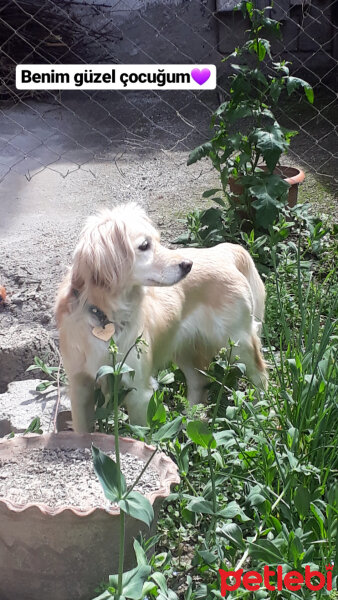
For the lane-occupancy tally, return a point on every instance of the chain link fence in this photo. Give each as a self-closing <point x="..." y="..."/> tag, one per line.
<point x="67" y="131"/>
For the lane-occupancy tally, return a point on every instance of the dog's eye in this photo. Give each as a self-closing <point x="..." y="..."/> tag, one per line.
<point x="144" y="246"/>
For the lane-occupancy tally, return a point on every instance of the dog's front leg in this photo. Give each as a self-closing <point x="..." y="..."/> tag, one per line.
<point x="136" y="403"/>
<point x="82" y="401"/>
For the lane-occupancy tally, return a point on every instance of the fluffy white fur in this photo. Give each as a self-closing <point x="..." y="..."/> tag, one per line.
<point x="120" y="266"/>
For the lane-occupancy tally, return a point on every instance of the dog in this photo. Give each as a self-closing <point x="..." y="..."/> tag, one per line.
<point x="186" y="304"/>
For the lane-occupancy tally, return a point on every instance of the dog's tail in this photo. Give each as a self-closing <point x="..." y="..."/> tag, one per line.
<point x="246" y="266"/>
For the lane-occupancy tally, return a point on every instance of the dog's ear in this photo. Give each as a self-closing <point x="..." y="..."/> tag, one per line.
<point x="77" y="281"/>
<point x="104" y="255"/>
<point x="64" y="299"/>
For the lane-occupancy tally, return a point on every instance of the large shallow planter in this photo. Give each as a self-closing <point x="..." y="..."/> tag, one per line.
<point x="292" y="175"/>
<point x="64" y="554"/>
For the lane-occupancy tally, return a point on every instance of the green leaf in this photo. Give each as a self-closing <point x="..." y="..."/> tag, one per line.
<point x="168" y="431"/>
<point x="264" y="550"/>
<point x="199" y="152"/>
<point x="140" y="431"/>
<point x="34" y="426"/>
<point x="226" y="438"/>
<point x="293" y="83"/>
<point x="148" y="588"/>
<point x="219" y="201"/>
<point x="200" y="505"/>
<point x="256" y="499"/>
<point x="108" y="475"/>
<point x="165" y="377"/>
<point x="309" y="93"/>
<point x="132" y="581"/>
<point x="271" y="142"/>
<point x="105" y="370"/>
<point x="261" y="47"/>
<point x="41" y="387"/>
<point x="140" y="554"/>
<point x="319" y="518"/>
<point x="200" y="434"/>
<point x="233" y="533"/>
<point x="302" y="500"/>
<point x="268" y="196"/>
<point x="275" y="90"/>
<point x="160" y="414"/>
<point x="292" y="459"/>
<point x="239" y="112"/>
<point x="261" y="51"/>
<point x="209" y="193"/>
<point x="233" y="510"/>
<point x="208" y="557"/>
<point x="257" y="75"/>
<point x="156" y="411"/>
<point x="123" y="368"/>
<point x="271" y="24"/>
<point x="276" y="523"/>
<point x="137" y="506"/>
<point x="281" y="66"/>
<point x="165" y="593"/>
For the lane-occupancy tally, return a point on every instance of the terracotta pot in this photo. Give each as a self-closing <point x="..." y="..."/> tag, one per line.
<point x="63" y="554"/>
<point x="292" y="175"/>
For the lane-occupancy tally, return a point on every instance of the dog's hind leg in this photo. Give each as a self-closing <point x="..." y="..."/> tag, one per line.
<point x="250" y="355"/>
<point x="82" y="401"/>
<point x="197" y="392"/>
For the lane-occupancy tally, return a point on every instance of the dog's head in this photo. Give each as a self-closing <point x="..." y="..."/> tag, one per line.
<point x="121" y="248"/>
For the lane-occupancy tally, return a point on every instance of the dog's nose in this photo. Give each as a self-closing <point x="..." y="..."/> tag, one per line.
<point x="185" y="266"/>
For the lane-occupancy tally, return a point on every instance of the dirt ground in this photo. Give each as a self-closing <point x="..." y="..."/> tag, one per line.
<point x="61" y="162"/>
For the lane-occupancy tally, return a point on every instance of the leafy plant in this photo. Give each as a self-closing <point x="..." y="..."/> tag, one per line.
<point x="55" y="374"/>
<point x="133" y="584"/>
<point x="247" y="140"/>
<point x="124" y="584"/>
<point x="274" y="466"/>
<point x="34" y="426"/>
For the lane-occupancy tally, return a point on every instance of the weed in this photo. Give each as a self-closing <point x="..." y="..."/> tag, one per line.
<point x="55" y="374"/>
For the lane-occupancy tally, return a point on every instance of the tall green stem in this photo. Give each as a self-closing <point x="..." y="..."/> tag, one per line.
<point x="211" y="469"/>
<point x="121" y="553"/>
<point x="116" y="429"/>
<point x="114" y="389"/>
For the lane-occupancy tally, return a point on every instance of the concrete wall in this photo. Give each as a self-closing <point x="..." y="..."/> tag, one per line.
<point x="143" y="31"/>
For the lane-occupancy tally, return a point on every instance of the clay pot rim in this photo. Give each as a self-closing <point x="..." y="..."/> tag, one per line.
<point x="294" y="175"/>
<point x="160" y="461"/>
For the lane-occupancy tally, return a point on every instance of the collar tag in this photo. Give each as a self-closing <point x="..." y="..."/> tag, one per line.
<point x="104" y="333"/>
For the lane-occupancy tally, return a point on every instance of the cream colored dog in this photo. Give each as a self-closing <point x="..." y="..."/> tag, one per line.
<point x="187" y="304"/>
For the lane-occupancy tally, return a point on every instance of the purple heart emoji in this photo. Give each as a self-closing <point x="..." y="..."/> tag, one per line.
<point x="200" y="76"/>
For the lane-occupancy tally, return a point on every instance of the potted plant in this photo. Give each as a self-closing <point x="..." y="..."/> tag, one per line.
<point x="69" y="549"/>
<point x="248" y="141"/>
